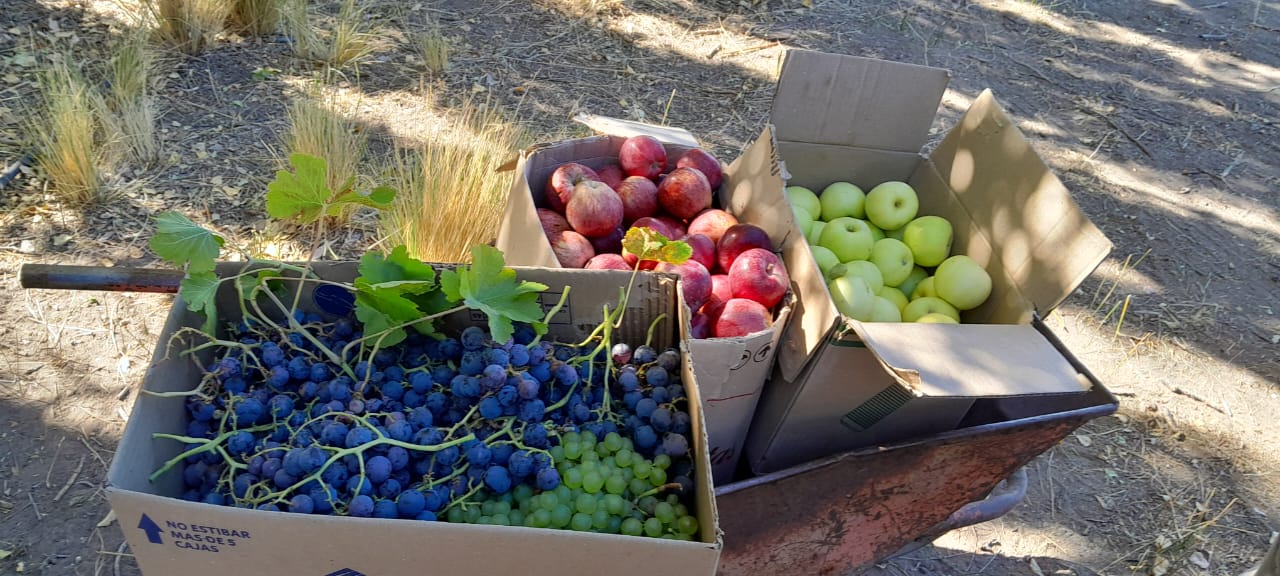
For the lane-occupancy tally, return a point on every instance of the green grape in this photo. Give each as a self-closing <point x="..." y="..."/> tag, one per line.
<point x="588" y="439"/>
<point x="573" y="478"/>
<point x="564" y="493"/>
<point x="600" y="519"/>
<point x="521" y="492"/>
<point x="489" y="508"/>
<point x="687" y="525"/>
<point x="681" y="509"/>
<point x="615" y="525"/>
<point x="657" y="477"/>
<point x="662" y="461"/>
<point x="580" y="522"/>
<point x="624" y="458"/>
<point x="664" y="512"/>
<point x="572" y="451"/>
<point x="473" y="514"/>
<point x="590" y="456"/>
<point x="454" y="515"/>
<point x="573" y="496"/>
<point x="586" y="504"/>
<point x="685" y="537"/>
<point x="486" y="520"/>
<point x="616" y="484"/>
<point x="627" y="444"/>
<point x="501" y="508"/>
<point x="517" y="517"/>
<point x="527" y="505"/>
<point x="613" y="503"/>
<point x="500" y="520"/>
<point x="641" y="469"/>
<point x="592" y="482"/>
<point x="557" y="453"/>
<point x="570" y="438"/>
<point x="547" y="501"/>
<point x="602" y="450"/>
<point x="647" y="505"/>
<point x="609" y="462"/>
<point x="673" y="499"/>
<point x="529" y="523"/>
<point x="588" y="467"/>
<point x="652" y="528"/>
<point x="632" y="527"/>
<point x="613" y="441"/>
<point x="628" y="474"/>
<point x="561" y="516"/>
<point x="638" y="487"/>
<point x="541" y="518"/>
<point x="507" y="497"/>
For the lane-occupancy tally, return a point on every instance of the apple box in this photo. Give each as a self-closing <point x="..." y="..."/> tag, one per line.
<point x="841" y="384"/>
<point x="170" y="535"/>
<point x="731" y="372"/>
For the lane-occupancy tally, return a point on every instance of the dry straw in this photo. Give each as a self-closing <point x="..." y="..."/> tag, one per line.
<point x="65" y="131"/>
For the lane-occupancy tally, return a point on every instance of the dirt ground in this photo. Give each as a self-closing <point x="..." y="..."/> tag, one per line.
<point x="1160" y="115"/>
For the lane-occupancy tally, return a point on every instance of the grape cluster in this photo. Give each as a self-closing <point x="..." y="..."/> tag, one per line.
<point x="461" y="429"/>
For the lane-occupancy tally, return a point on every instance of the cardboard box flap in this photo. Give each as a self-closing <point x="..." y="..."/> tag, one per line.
<point x="1005" y="186"/>
<point x="941" y="360"/>
<point x="628" y="128"/>
<point x="852" y="101"/>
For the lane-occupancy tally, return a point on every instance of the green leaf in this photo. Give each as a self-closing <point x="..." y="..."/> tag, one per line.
<point x="247" y="284"/>
<point x="375" y="309"/>
<point x="396" y="267"/>
<point x="649" y="244"/>
<point x="184" y="243"/>
<point x="379" y="197"/>
<point x="489" y="286"/>
<point x="303" y="195"/>
<point x="200" y="292"/>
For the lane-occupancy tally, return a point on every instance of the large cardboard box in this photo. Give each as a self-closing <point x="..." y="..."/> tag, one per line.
<point x="841" y="384"/>
<point x="172" y="536"/>
<point x="731" y="372"/>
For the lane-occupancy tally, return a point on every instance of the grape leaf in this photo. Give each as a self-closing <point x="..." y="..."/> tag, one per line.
<point x="305" y="194"/>
<point x="247" y="284"/>
<point x="382" y="310"/>
<point x="199" y="290"/>
<point x="393" y="289"/>
<point x="397" y="270"/>
<point x="184" y="243"/>
<point x="489" y="286"/>
<point x="649" y="244"/>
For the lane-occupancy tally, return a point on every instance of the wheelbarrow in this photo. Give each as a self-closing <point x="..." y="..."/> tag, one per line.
<point x="834" y="515"/>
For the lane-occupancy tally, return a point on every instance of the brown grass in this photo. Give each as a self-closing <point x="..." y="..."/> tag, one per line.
<point x="65" y="131"/>
<point x="256" y="17"/>
<point x="317" y="128"/>
<point x="188" y="26"/>
<point x="345" y="42"/>
<point x="129" y="114"/>
<point x="433" y="50"/>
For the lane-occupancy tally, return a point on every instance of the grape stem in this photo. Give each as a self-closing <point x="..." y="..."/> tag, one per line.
<point x="564" y="297"/>
<point x="383" y="333"/>
<point x="205" y="445"/>
<point x="293" y="323"/>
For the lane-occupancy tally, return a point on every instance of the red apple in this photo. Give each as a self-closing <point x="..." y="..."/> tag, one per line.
<point x="684" y="193"/>
<point x="759" y="275"/>
<point x="738" y="239"/>
<point x="639" y="198"/>
<point x="740" y="318"/>
<point x="660" y="226"/>
<point x="721" y="288"/>
<point x="606" y="262"/>
<point x="552" y="221"/>
<point x="611" y="242"/>
<point x="642" y="155"/>
<point x="712" y="222"/>
<point x="561" y="183"/>
<point x="695" y="281"/>
<point x="594" y="210"/>
<point x="631" y="260"/>
<point x="677" y="227"/>
<point x="704" y="250"/>
<point x="700" y="326"/>
<point x="704" y="162"/>
<point x="572" y="249"/>
<point x="611" y="174"/>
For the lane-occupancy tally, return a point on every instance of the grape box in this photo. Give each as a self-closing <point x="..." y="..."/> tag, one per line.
<point x="842" y="384"/>
<point x="731" y="372"/>
<point x="170" y="534"/>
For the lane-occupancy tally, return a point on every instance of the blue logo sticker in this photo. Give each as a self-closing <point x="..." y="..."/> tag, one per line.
<point x="345" y="572"/>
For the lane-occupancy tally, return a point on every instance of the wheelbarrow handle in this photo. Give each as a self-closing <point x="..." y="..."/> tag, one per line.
<point x="1002" y="499"/>
<point x="112" y="279"/>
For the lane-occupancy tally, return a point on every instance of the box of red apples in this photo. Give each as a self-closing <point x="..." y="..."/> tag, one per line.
<point x="573" y="201"/>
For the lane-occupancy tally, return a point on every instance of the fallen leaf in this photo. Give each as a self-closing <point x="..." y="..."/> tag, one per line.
<point x="5" y="554"/>
<point x="61" y="239"/>
<point x="1160" y="567"/>
<point x="24" y="60"/>
<point x="1084" y="440"/>
<point x="1199" y="560"/>
<point x="108" y="519"/>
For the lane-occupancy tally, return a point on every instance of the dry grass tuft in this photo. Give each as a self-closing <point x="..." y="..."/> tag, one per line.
<point x="346" y="42"/>
<point x="129" y="114"/>
<point x="450" y="196"/>
<point x="587" y="8"/>
<point x="433" y="49"/>
<point x="188" y="26"/>
<point x="256" y="17"/>
<point x="318" y="128"/>
<point x="65" y="132"/>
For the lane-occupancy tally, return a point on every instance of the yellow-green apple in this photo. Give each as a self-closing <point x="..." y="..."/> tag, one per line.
<point x="738" y="239"/>
<point x="884" y="310"/>
<point x="804" y="198"/>
<point x="712" y="223"/>
<point x="936" y="318"/>
<point x="894" y="295"/>
<point x="841" y="199"/>
<point x="684" y="193"/>
<point x="852" y="297"/>
<point x="642" y="155"/>
<point x="639" y="198"/>
<point x="928" y="305"/>
<point x="913" y="279"/>
<point x="891" y="205"/>
<point x="876" y="232"/>
<point x="826" y="259"/>
<point x="848" y="237"/>
<point x="815" y="232"/>
<point x="924" y="289"/>
<point x="562" y="181"/>
<point x="929" y="238"/>
<point x="804" y="220"/>
<point x="759" y="275"/>
<point x="695" y="281"/>
<point x="894" y="260"/>
<point x="962" y="282"/>
<point x="741" y="317"/>
<point x="864" y="269"/>
<point x="896" y="234"/>
<point x="704" y="162"/>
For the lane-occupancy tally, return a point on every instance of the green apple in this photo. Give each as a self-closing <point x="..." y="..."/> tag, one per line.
<point x="815" y="232"/>
<point x="804" y="219"/>
<point x="852" y="297"/>
<point x="876" y="232"/>
<point x="826" y="260"/>
<point x="865" y="270"/>
<point x="936" y="318"/>
<point x="885" y="310"/>
<point x="962" y="282"/>
<point x="804" y="198"/>
<point x="849" y="238"/>
<point x="894" y="260"/>
<point x="842" y="199"/>
<point x="917" y="274"/>
<point x="928" y="305"/>
<point x="891" y="205"/>
<point x="929" y="238"/>
<point x="896" y="233"/>
<point x="893" y="295"/>
<point x="924" y="289"/>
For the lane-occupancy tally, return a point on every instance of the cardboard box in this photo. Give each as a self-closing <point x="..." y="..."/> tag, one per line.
<point x="841" y="384"/>
<point x="731" y="372"/>
<point x="173" y="536"/>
